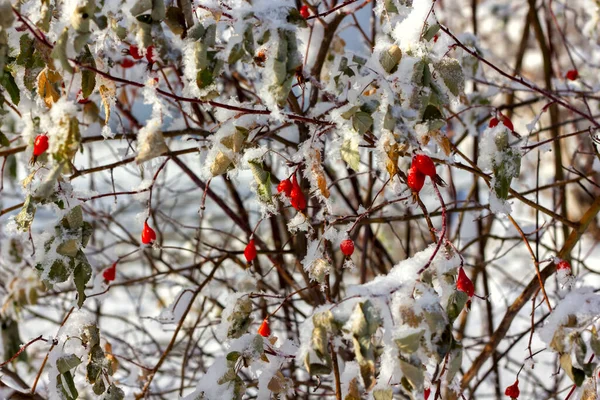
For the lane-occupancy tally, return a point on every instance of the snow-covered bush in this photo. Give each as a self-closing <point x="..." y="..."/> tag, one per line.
<point x="360" y="199"/>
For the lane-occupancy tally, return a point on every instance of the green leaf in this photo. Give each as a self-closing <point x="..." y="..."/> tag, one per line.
<point x="59" y="272"/>
<point x="350" y="112"/>
<point x="86" y="233"/>
<point x="432" y="113"/>
<point x="11" y="340"/>
<point x="240" y="319"/>
<point x="390" y="59"/>
<point x="410" y="343"/>
<point x="383" y="394"/>
<point x="81" y="276"/>
<point x="68" y="248"/>
<point x="456" y="303"/>
<point x="236" y="54"/>
<point x="295" y="18"/>
<point x="60" y="51"/>
<point x="11" y="167"/>
<point x="70" y="391"/>
<point x="94" y="366"/>
<point x="91" y="335"/>
<point x="413" y="374"/>
<point x="8" y="82"/>
<point x="431" y="32"/>
<point x="576" y="374"/>
<point x="350" y="153"/>
<point x="114" y="393"/>
<point x="263" y="180"/>
<point x="25" y="217"/>
<point x="204" y="78"/>
<point x="88" y="77"/>
<point x="362" y="122"/>
<point x="25" y="57"/>
<point x="4" y="140"/>
<point x="67" y="363"/>
<point x="74" y="219"/>
<point x="99" y="387"/>
<point x="319" y="344"/>
<point x="455" y="362"/>
<point x="175" y="20"/>
<point x="452" y="74"/>
<point x="233" y="356"/>
<point x="318" y="369"/>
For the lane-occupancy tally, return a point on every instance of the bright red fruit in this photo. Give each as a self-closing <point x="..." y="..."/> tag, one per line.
<point x="150" y="54"/>
<point x="250" y="251"/>
<point x="40" y="145"/>
<point x="505" y="120"/>
<point x="127" y="63"/>
<point x="347" y="247"/>
<point x="424" y="164"/>
<point x="148" y="234"/>
<point x="264" y="329"/>
<point x="563" y="265"/>
<point x="572" y="74"/>
<point x="427" y="393"/>
<point x="135" y="52"/>
<point x="464" y="284"/>
<point x="296" y="196"/>
<point x="285" y="186"/>
<point x="304" y="11"/>
<point x="110" y="273"/>
<point x="513" y="390"/>
<point x="415" y="180"/>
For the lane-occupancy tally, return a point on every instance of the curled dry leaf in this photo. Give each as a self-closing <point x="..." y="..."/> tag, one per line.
<point x="47" y="79"/>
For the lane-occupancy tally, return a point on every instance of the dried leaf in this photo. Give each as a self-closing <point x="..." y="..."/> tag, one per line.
<point x="107" y="94"/>
<point x="46" y="89"/>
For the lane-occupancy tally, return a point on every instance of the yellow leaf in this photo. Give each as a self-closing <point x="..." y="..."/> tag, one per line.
<point x="444" y="143"/>
<point x="220" y="165"/>
<point x="46" y="90"/>
<point x="114" y="363"/>
<point x="107" y="94"/>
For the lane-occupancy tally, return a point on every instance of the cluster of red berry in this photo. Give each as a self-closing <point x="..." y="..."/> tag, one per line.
<point x="134" y="52"/>
<point x="421" y="167"/>
<point x="294" y="192"/>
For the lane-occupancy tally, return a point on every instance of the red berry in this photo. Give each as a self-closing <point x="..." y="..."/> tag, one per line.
<point x="464" y="284"/>
<point x="148" y="234"/>
<point x="424" y="164"/>
<point x="296" y="196"/>
<point x="427" y="393"/>
<point x="150" y="54"/>
<point x="572" y="75"/>
<point x="415" y="180"/>
<point x="563" y="265"/>
<point x="505" y="120"/>
<point x="110" y="273"/>
<point x="347" y="247"/>
<point x="40" y="145"/>
<point x="127" y="63"/>
<point x="264" y="329"/>
<point x="304" y="11"/>
<point x="435" y="39"/>
<point x="135" y="52"/>
<point x="250" y="251"/>
<point x="285" y="186"/>
<point x="513" y="390"/>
